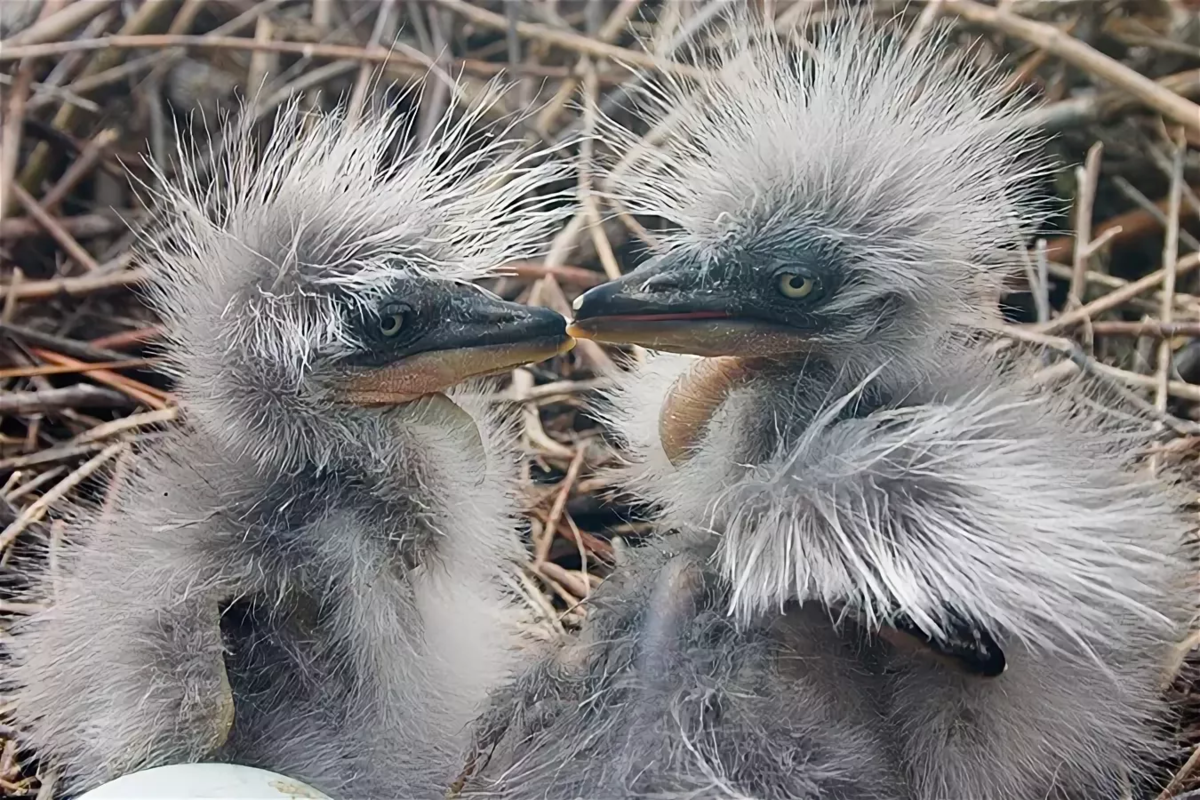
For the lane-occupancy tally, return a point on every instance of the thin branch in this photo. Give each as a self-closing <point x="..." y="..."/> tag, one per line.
<point x="58" y="25"/>
<point x="1170" y="265"/>
<point x="65" y="240"/>
<point x="81" y="395"/>
<point x="1120" y="296"/>
<point x="569" y="40"/>
<point x="39" y="507"/>
<point x="1083" y="56"/>
<point x="542" y="546"/>
<point x="1086" y="179"/>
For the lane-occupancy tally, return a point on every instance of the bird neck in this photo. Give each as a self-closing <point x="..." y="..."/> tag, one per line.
<point x="414" y="448"/>
<point x="804" y="386"/>
<point x="423" y="477"/>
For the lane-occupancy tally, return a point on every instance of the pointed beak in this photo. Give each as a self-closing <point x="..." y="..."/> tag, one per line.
<point x="965" y="648"/>
<point x="486" y="336"/>
<point x="673" y="307"/>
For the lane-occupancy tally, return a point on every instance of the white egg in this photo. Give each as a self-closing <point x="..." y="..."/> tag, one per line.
<point x="207" y="781"/>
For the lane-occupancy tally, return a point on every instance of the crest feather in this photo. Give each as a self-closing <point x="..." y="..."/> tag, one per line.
<point x="909" y="159"/>
<point x="340" y="204"/>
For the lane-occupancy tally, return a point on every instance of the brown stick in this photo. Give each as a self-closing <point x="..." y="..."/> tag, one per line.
<point x="139" y="391"/>
<point x="10" y="137"/>
<point x="1130" y="225"/>
<point x="1170" y="262"/>
<point x="577" y="276"/>
<point x="1146" y="328"/>
<point x="58" y="25"/>
<point x="142" y="18"/>
<point x="336" y="52"/>
<point x="126" y="338"/>
<point x="81" y="226"/>
<point x="74" y="287"/>
<point x="1085" y="180"/>
<point x="568" y="40"/>
<point x="587" y="541"/>
<point x="573" y="582"/>
<point x="1119" y="296"/>
<point x="1099" y="107"/>
<point x="43" y="400"/>
<point x="112" y="428"/>
<point x="79" y="168"/>
<point x="65" y="240"/>
<point x="29" y="372"/>
<point x="542" y="546"/>
<point x="1180" y="779"/>
<point x="84" y="351"/>
<point x="1081" y="55"/>
<point x="40" y="506"/>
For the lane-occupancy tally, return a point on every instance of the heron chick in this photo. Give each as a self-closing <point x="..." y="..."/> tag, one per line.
<point x="847" y="454"/>
<point x="310" y="574"/>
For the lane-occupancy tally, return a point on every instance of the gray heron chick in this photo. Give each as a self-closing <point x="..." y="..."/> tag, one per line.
<point x="310" y="574"/>
<point x="837" y="450"/>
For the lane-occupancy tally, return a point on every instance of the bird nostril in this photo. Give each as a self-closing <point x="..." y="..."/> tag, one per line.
<point x="501" y="317"/>
<point x="661" y="283"/>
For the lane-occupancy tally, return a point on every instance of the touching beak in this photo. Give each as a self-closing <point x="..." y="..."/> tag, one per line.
<point x="486" y="336"/>
<point x="667" y="306"/>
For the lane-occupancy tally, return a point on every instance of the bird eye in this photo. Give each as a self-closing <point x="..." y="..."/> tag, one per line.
<point x="391" y="324"/>
<point x="794" y="286"/>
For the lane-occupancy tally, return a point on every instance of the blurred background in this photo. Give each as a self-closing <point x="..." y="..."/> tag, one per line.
<point x="91" y="91"/>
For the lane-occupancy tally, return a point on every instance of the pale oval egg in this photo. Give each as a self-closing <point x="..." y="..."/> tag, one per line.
<point x="211" y="781"/>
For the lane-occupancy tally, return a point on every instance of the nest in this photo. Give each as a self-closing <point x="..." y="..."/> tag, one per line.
<point x="93" y="90"/>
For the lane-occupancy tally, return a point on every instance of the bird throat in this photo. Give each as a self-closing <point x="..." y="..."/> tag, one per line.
<point x="439" y="411"/>
<point x="692" y="401"/>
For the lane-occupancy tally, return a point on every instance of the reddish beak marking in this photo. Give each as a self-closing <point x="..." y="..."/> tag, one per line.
<point x="665" y="317"/>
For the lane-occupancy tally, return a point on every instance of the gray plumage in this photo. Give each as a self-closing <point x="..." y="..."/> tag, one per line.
<point x="664" y="696"/>
<point x="17" y="15"/>
<point x="301" y="578"/>
<point x="842" y="227"/>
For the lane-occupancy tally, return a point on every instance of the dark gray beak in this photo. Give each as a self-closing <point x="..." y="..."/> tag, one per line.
<point x="664" y="305"/>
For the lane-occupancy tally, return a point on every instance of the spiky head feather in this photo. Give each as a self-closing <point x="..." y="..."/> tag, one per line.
<point x="908" y="164"/>
<point x="258" y="270"/>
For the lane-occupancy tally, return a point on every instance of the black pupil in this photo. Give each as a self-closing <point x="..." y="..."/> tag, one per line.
<point x="797" y="281"/>
<point x="392" y="323"/>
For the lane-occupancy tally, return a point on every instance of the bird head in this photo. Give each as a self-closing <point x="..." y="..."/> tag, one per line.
<point x="324" y="281"/>
<point x="858" y="206"/>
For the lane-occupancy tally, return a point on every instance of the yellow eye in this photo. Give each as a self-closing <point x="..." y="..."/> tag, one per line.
<point x="391" y="324"/>
<point x="795" y="286"/>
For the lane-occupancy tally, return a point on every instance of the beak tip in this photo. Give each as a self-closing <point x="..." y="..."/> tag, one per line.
<point x="576" y="332"/>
